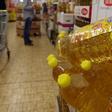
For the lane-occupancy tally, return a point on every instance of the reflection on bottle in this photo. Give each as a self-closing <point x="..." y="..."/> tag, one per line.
<point x="110" y="105"/>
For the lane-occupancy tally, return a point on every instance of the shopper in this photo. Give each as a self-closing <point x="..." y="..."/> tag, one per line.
<point x="45" y="15"/>
<point x="28" y="16"/>
<point x="45" y="9"/>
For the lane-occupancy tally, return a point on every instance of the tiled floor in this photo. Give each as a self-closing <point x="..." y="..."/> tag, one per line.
<point x="26" y="84"/>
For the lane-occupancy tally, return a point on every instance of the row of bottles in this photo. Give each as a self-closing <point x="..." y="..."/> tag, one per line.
<point x="64" y="7"/>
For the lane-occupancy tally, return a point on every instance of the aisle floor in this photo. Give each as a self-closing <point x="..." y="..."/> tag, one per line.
<point x="26" y="83"/>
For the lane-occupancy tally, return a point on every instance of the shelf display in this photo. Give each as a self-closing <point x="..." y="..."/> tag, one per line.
<point x="65" y="16"/>
<point x="12" y="10"/>
<point x="35" y="28"/>
<point x="90" y="11"/>
<point x="61" y="18"/>
<point x="86" y="57"/>
<point x="65" y="21"/>
<point x="64" y="7"/>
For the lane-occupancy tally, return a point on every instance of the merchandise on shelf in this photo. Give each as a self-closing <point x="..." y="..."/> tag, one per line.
<point x="11" y="10"/>
<point x="12" y="16"/>
<point x="90" y="11"/>
<point x="66" y="7"/>
<point x="65" y="21"/>
<point x="86" y="55"/>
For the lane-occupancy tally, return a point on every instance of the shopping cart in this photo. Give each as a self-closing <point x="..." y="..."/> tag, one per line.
<point x="3" y="31"/>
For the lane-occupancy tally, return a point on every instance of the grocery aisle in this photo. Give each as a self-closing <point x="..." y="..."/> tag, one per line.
<point x="26" y="84"/>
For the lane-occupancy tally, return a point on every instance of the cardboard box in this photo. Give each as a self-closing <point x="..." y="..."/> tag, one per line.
<point x="61" y="28"/>
<point x="19" y="32"/>
<point x="20" y="24"/>
<point x="35" y="24"/>
<point x="34" y="32"/>
<point x="65" y="18"/>
<point x="19" y="15"/>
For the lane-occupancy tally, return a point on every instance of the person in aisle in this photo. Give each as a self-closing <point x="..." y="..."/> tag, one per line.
<point x="45" y="9"/>
<point x="28" y="13"/>
<point x="45" y="15"/>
